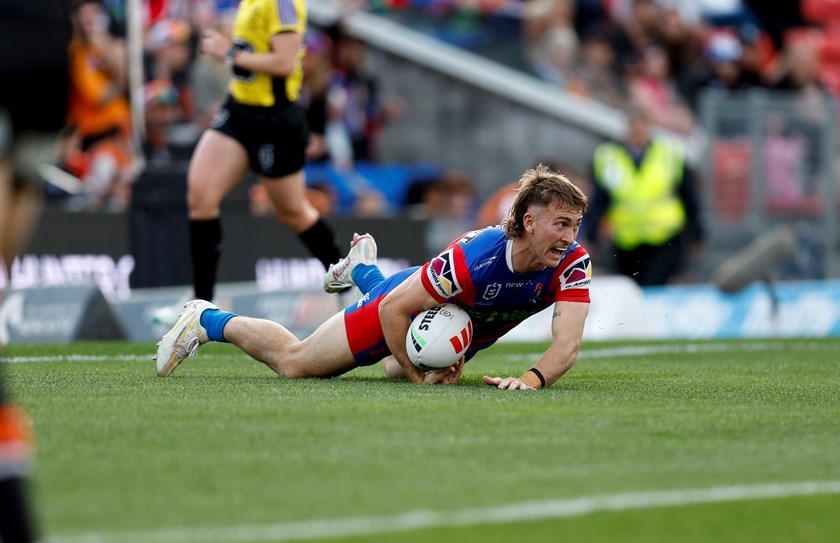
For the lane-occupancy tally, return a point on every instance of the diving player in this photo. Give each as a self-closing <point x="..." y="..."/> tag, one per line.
<point x="500" y="275"/>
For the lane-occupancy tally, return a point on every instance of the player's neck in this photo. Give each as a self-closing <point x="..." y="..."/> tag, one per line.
<point x="522" y="258"/>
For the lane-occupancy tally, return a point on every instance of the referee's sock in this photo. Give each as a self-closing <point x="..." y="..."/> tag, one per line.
<point x="206" y="248"/>
<point x="321" y="242"/>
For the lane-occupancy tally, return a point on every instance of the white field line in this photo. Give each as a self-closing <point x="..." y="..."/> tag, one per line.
<point x="420" y="519"/>
<point x="607" y="352"/>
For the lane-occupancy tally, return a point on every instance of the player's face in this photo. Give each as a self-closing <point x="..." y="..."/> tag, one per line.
<point x="553" y="230"/>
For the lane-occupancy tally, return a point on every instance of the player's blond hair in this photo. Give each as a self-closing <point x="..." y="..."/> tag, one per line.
<point x="541" y="186"/>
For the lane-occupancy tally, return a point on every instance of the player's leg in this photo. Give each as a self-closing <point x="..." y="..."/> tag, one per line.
<point x="358" y="268"/>
<point x="293" y="209"/>
<point x="218" y="164"/>
<point x="324" y="354"/>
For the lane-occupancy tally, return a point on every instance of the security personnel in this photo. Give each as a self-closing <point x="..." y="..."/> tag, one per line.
<point x="644" y="204"/>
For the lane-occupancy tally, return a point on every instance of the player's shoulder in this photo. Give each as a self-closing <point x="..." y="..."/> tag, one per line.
<point x="575" y="270"/>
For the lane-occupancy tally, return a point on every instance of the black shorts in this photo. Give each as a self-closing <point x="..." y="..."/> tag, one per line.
<point x="274" y="137"/>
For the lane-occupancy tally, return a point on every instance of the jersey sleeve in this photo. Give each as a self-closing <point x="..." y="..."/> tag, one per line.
<point x="288" y="16"/>
<point x="447" y="275"/>
<point x="572" y="278"/>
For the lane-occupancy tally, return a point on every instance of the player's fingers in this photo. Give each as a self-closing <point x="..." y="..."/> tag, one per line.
<point x="492" y="381"/>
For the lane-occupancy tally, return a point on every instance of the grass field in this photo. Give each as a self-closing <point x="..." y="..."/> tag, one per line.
<point x="642" y="442"/>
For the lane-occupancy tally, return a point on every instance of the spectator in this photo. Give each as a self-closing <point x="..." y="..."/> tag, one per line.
<point x="317" y="70"/>
<point x="653" y="89"/>
<point x="596" y="75"/>
<point x="354" y="103"/>
<point x="99" y="109"/>
<point x="644" y="205"/>
<point x="551" y="42"/>
<point x="209" y="79"/>
<point x="169" y="52"/>
<point x="160" y="104"/>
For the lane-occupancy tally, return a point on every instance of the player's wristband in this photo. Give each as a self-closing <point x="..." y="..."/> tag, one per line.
<point x="537" y="372"/>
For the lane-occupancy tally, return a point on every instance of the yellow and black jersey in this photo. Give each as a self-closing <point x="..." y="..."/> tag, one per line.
<point x="257" y="21"/>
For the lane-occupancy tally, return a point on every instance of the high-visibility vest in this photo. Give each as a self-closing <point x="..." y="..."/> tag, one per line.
<point x="645" y="205"/>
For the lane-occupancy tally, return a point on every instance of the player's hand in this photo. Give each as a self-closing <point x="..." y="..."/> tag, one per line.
<point x="507" y="383"/>
<point x="215" y="44"/>
<point x="446" y="376"/>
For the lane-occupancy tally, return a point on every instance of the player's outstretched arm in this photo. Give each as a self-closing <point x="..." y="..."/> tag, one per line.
<point x="566" y="330"/>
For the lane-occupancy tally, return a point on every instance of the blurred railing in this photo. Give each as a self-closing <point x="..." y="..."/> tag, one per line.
<point x="771" y="160"/>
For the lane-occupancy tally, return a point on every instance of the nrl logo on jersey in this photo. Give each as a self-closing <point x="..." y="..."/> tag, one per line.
<point x="441" y="274"/>
<point x="266" y="155"/>
<point x="577" y="275"/>
<point x="492" y="291"/>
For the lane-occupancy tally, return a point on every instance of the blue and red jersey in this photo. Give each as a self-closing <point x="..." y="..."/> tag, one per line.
<point x="476" y="273"/>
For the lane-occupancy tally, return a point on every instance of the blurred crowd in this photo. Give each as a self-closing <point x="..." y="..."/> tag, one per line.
<point x="657" y="54"/>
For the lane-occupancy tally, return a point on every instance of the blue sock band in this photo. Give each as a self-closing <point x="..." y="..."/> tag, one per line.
<point x="367" y="276"/>
<point x="214" y="321"/>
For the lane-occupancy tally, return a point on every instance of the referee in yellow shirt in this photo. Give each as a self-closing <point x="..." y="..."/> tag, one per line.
<point x="259" y="127"/>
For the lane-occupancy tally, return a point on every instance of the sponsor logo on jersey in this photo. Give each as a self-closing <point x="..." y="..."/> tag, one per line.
<point x="441" y="274"/>
<point x="484" y="263"/>
<point x="492" y="291"/>
<point x="577" y="275"/>
<point x="363" y="300"/>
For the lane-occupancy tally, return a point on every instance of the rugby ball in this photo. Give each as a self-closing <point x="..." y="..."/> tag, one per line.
<point x="438" y="337"/>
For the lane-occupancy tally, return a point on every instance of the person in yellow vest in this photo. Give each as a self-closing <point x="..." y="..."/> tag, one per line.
<point x="260" y="127"/>
<point x="644" y="204"/>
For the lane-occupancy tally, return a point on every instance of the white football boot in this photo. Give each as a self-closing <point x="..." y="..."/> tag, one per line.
<point x="183" y="339"/>
<point x="362" y="251"/>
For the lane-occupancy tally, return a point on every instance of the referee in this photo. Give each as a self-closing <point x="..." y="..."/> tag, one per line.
<point x="259" y="128"/>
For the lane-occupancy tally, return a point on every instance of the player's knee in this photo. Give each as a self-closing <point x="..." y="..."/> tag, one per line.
<point x="392" y="368"/>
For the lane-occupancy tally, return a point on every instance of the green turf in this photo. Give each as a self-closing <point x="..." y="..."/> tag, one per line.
<point x="224" y="443"/>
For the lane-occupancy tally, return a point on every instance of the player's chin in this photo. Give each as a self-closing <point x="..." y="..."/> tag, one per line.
<point x="553" y="257"/>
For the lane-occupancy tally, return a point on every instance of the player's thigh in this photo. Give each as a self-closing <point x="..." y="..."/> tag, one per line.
<point x="218" y="164"/>
<point x="325" y="353"/>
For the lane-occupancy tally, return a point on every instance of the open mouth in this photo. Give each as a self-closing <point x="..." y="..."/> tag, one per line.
<point x="558" y="251"/>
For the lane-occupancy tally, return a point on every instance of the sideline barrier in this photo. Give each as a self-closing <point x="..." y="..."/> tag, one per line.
<point x="621" y="311"/>
<point x="58" y="315"/>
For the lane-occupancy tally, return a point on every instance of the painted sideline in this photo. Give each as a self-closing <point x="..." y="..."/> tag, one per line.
<point x="422" y="519"/>
<point x="604" y="352"/>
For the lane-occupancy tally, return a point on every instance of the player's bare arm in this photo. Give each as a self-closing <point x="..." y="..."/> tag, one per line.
<point x="280" y="61"/>
<point x="395" y="314"/>
<point x="567" y="330"/>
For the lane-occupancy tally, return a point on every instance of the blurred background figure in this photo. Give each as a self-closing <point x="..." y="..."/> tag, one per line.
<point x="99" y="111"/>
<point x="356" y="109"/>
<point x="34" y="81"/>
<point x="160" y="104"/>
<point x="644" y="207"/>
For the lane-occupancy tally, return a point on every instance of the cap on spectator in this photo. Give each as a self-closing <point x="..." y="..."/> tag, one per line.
<point x="723" y="47"/>
<point x="167" y="32"/>
<point x="159" y="92"/>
